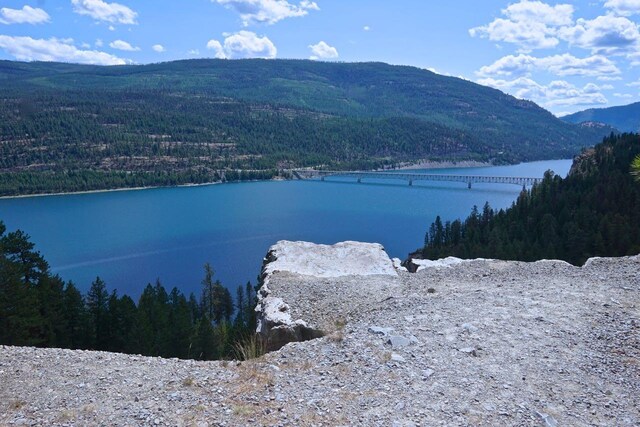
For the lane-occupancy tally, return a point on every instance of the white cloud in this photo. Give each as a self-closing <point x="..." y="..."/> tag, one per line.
<point x="26" y="15"/>
<point x="510" y="65"/>
<point x="366" y="28"/>
<point x="158" y="48"/>
<point x="569" y="65"/>
<point x="267" y="11"/>
<point x="593" y="88"/>
<point x="604" y="34"/>
<point x="243" y="44"/>
<point x="623" y="95"/>
<point x="123" y="45"/>
<point x="29" y="49"/>
<point x="558" y="93"/>
<point x="193" y="52"/>
<point x="102" y="11"/>
<point x="528" y="24"/>
<point x="634" y="58"/>
<point x="99" y="43"/>
<point x="538" y="11"/>
<point x="623" y="7"/>
<point x="560" y="65"/>
<point x="321" y="50"/>
<point x="527" y="35"/>
<point x="609" y="78"/>
<point x="634" y="84"/>
<point x="217" y="48"/>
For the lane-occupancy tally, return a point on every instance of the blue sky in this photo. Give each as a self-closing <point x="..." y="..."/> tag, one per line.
<point x="566" y="56"/>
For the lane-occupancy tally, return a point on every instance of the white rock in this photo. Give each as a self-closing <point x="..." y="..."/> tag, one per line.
<point x="397" y="341"/>
<point x="397" y="264"/>
<point x="342" y="259"/>
<point x="395" y="357"/>
<point x="444" y="262"/>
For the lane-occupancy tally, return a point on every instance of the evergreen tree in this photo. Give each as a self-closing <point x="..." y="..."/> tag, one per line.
<point x="97" y="305"/>
<point x="240" y="322"/>
<point x="209" y="302"/>
<point x="76" y="318"/>
<point x="205" y="347"/>
<point x="181" y="326"/>
<point x="595" y="211"/>
<point x="51" y="303"/>
<point x="20" y="270"/>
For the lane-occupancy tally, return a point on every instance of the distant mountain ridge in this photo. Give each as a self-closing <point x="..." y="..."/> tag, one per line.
<point x="88" y="127"/>
<point x="625" y="118"/>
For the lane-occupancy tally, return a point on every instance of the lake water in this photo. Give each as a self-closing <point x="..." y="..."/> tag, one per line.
<point x="130" y="238"/>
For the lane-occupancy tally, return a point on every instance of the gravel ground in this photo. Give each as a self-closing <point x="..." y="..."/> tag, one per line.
<point x="479" y="343"/>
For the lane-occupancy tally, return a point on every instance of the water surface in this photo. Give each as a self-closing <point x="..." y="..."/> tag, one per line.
<point x="130" y="238"/>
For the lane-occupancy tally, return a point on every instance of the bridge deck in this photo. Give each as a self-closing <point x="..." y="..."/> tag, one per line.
<point x="411" y="177"/>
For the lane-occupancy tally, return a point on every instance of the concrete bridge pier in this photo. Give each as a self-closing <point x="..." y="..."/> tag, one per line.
<point x="359" y="180"/>
<point x="469" y="185"/>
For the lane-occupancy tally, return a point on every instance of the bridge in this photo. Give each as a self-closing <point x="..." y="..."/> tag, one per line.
<point x="412" y="177"/>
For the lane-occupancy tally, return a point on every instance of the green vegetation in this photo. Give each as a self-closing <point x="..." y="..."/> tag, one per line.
<point x="38" y="309"/>
<point x="66" y="127"/>
<point x="625" y="118"/>
<point x="595" y="211"/>
<point x="635" y="167"/>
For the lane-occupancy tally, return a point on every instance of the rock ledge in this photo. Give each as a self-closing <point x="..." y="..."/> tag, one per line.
<point x="289" y="264"/>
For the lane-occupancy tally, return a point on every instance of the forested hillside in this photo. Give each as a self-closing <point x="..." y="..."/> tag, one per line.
<point x="625" y="118"/>
<point x="595" y="211"/>
<point x="40" y="309"/>
<point x="76" y="127"/>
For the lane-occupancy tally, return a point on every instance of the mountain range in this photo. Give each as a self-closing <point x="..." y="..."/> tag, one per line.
<point x="625" y="118"/>
<point x="79" y="127"/>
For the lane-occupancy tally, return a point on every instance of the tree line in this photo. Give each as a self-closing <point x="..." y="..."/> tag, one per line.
<point x="40" y="309"/>
<point x="595" y="211"/>
<point x="183" y="121"/>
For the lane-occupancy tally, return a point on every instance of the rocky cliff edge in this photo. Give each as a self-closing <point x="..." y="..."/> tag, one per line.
<point x="479" y="342"/>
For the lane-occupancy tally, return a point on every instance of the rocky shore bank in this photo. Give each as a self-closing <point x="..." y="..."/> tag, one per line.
<point x="481" y="342"/>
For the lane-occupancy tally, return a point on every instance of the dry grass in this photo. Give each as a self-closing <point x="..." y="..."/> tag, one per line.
<point x="337" y="335"/>
<point x="16" y="404"/>
<point x="188" y="382"/>
<point x="243" y="410"/>
<point x="252" y="378"/>
<point x="66" y="415"/>
<point x="384" y="357"/>
<point x="251" y="347"/>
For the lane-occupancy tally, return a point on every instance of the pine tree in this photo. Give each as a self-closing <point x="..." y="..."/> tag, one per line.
<point x="76" y="318"/>
<point x="208" y="300"/>
<point x="97" y="300"/>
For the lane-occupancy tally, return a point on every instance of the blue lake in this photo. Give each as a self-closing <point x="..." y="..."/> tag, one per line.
<point x="131" y="238"/>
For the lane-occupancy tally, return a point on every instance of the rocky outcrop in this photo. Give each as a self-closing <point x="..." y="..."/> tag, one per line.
<point x="288" y="265"/>
<point x="482" y="342"/>
<point x="416" y="264"/>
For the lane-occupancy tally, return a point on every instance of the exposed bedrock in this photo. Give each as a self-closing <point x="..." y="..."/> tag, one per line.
<point x="308" y="290"/>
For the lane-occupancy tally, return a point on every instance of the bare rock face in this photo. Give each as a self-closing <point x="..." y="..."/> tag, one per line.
<point x="301" y="274"/>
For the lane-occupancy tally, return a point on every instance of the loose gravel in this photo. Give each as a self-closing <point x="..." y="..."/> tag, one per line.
<point x="478" y="343"/>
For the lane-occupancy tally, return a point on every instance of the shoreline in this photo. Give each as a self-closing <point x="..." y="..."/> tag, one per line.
<point x="109" y="190"/>
<point x="421" y="164"/>
<point x="449" y="164"/>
